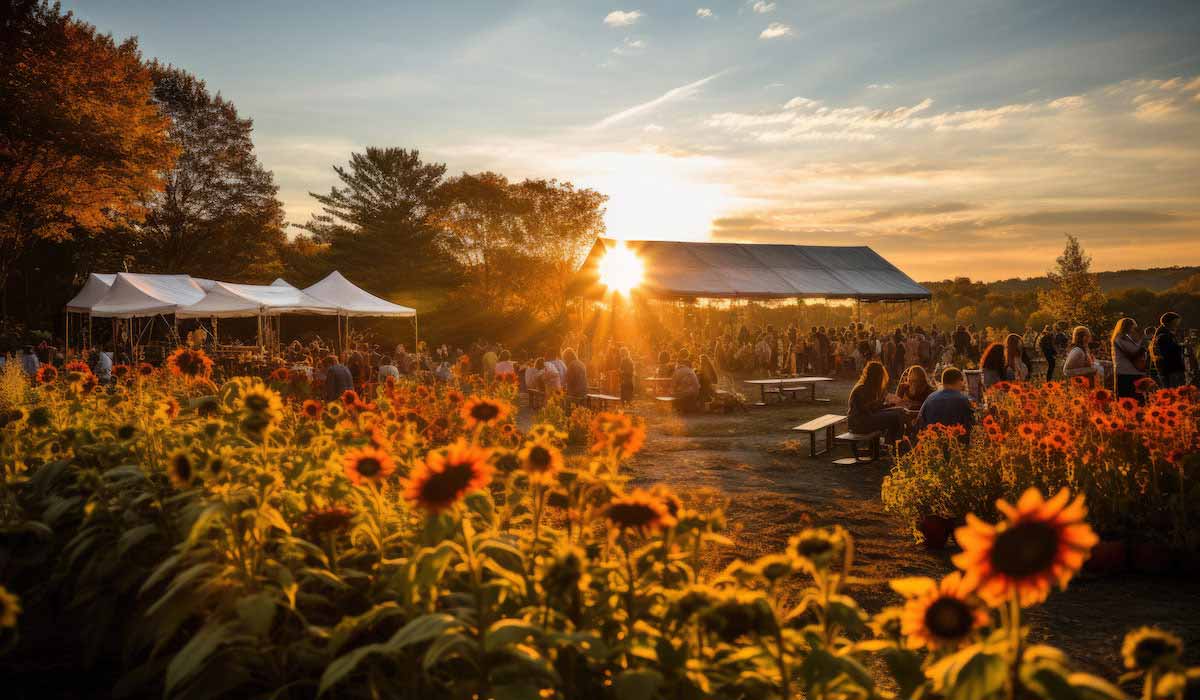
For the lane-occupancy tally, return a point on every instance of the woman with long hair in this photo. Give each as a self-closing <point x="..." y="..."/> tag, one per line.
<point x="1080" y="362"/>
<point x="1130" y="358"/>
<point x="914" y="387"/>
<point x="1015" y="369"/>
<point x="867" y="412"/>
<point x="992" y="364"/>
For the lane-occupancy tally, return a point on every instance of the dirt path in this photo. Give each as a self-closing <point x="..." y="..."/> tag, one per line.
<point x="753" y="463"/>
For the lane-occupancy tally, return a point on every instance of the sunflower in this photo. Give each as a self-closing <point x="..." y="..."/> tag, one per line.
<point x="482" y="411"/>
<point x="167" y="409"/>
<point x="1039" y="542"/>
<point x="368" y="464"/>
<point x="447" y="475"/>
<point x="121" y="371"/>
<point x="1029" y="431"/>
<point x="454" y="397"/>
<point x="311" y="409"/>
<point x="324" y="521"/>
<point x="258" y="400"/>
<point x="640" y="510"/>
<point x="938" y="615"/>
<point x="145" y="369"/>
<point x="1147" y="648"/>
<point x="10" y="608"/>
<point x="189" y="364"/>
<point x="1145" y="385"/>
<point x="181" y="468"/>
<point x="817" y="549"/>
<point x="541" y="461"/>
<point x="46" y="374"/>
<point x="279" y="374"/>
<point x="617" y="432"/>
<point x="77" y="366"/>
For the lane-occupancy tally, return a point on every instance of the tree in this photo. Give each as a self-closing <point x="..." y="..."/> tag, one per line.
<point x="377" y="223"/>
<point x="563" y="222"/>
<point x="1074" y="295"/>
<point x="480" y="217"/>
<point x="81" y="143"/>
<point x="218" y="214"/>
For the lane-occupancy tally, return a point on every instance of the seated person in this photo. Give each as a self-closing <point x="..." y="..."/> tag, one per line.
<point x="666" y="368"/>
<point x="505" y="365"/>
<point x="866" y="411"/>
<point x="685" y="386"/>
<point x="576" y="382"/>
<point x="914" y="388"/>
<point x="992" y="364"/>
<point x="387" y="368"/>
<point x="950" y="405"/>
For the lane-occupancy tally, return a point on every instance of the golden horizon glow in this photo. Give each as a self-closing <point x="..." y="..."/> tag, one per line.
<point x="621" y="269"/>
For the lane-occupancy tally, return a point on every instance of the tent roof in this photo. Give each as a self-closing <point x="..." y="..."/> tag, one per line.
<point x="132" y="295"/>
<point x="228" y="300"/>
<point x="94" y="289"/>
<point x="349" y="300"/>
<point x="682" y="270"/>
<point x="281" y="282"/>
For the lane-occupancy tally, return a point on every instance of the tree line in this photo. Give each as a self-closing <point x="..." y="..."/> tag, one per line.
<point x="113" y="162"/>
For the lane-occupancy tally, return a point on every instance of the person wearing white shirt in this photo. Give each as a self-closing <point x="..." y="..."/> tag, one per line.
<point x="30" y="362"/>
<point x="551" y="379"/>
<point x="102" y="366"/>
<point x="388" y="369"/>
<point x="505" y="364"/>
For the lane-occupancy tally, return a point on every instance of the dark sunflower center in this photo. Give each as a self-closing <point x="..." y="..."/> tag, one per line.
<point x="446" y="486"/>
<point x="183" y="468"/>
<point x="813" y="547"/>
<point x="948" y="618"/>
<point x="539" y="458"/>
<point x="484" y="412"/>
<point x="257" y="402"/>
<point x="632" y="514"/>
<point x="1025" y="550"/>
<point x="369" y="467"/>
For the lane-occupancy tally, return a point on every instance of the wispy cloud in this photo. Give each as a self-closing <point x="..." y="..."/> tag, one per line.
<point x="704" y="12"/>
<point x="880" y="86"/>
<point x="622" y="18"/>
<point x="629" y="46"/>
<point x="680" y="93"/>
<point x="762" y="7"/>
<point x="775" y="30"/>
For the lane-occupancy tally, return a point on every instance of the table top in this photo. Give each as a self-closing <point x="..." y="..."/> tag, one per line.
<point x="605" y="397"/>
<point x="658" y="379"/>
<point x="789" y="380"/>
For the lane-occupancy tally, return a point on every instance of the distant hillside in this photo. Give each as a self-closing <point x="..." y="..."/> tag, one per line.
<point x="1156" y="279"/>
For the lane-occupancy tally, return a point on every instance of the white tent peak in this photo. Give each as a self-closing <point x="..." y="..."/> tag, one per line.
<point x="134" y="294"/>
<point x="94" y="289"/>
<point x="350" y="300"/>
<point x="231" y="300"/>
<point x="281" y="282"/>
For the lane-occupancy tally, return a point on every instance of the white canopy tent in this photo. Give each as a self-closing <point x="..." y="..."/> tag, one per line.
<point x="229" y="300"/>
<point x="134" y="296"/>
<point x="94" y="289"/>
<point x="350" y="301"/>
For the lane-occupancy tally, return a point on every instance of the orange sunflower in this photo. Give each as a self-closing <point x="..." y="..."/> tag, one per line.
<point x="368" y="464"/>
<point x="936" y="615"/>
<point x="312" y="409"/>
<point x="640" y="510"/>
<point x="618" y="432"/>
<point x="447" y="475"/>
<point x="481" y="411"/>
<point x="192" y="364"/>
<point x="541" y="461"/>
<point x="46" y="374"/>
<point x="1038" y="543"/>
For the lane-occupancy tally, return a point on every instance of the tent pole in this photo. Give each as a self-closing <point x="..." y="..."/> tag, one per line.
<point x="67" y="335"/>
<point x="416" y="334"/>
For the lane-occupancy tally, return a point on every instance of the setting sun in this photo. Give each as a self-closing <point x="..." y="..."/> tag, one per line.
<point x="621" y="269"/>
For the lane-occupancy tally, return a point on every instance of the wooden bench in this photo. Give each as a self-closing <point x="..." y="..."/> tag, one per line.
<point x="864" y="447"/>
<point x="603" y="399"/>
<point x="827" y="424"/>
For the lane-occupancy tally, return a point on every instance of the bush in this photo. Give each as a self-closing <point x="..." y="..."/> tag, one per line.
<point x="168" y="537"/>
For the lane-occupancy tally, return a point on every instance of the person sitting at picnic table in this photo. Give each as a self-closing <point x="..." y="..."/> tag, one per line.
<point x="914" y="388"/>
<point x="1016" y="367"/>
<point x="1080" y="362"/>
<point x="626" y="370"/>
<point x="338" y="379"/>
<point x="685" y="385"/>
<point x="867" y="411"/>
<point x="992" y="364"/>
<point x="950" y="405"/>
<point x="666" y="368"/>
<point x="387" y="368"/>
<point x="576" y="382"/>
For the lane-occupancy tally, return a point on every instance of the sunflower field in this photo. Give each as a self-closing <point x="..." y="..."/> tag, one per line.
<point x="168" y="536"/>
<point x="1136" y="461"/>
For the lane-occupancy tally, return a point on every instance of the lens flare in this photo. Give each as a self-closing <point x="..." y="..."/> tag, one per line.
<point x="620" y="269"/>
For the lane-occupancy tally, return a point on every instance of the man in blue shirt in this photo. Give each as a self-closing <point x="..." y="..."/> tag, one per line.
<point x="950" y="406"/>
<point x="338" y="379"/>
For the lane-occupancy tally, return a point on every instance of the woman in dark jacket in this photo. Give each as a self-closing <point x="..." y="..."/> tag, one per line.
<point x="867" y="412"/>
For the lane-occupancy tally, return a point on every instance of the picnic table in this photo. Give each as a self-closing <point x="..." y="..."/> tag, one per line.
<point x="659" y="386"/>
<point x="603" y="399"/>
<point x="789" y="385"/>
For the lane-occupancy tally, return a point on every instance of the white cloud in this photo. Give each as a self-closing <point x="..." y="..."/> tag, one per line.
<point x="762" y="7"/>
<point x="652" y="128"/>
<point x="679" y="93"/>
<point x="704" y="12"/>
<point x="629" y="46"/>
<point x="622" y="18"/>
<point x="880" y="86"/>
<point x="775" y="30"/>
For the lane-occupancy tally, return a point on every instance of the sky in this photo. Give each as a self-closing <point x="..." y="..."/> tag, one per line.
<point x="955" y="138"/>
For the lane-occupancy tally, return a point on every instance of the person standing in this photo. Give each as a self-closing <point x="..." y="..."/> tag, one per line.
<point x="1129" y="358"/>
<point x="1080" y="362"/>
<point x="626" y="370"/>
<point x="338" y="379"/>
<point x="1168" y="352"/>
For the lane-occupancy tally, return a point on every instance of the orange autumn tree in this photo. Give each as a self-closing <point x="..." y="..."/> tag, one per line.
<point x="81" y="143"/>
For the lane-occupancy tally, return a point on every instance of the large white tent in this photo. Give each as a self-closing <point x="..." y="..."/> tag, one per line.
<point x="349" y="300"/>
<point x="135" y="296"/>
<point x="94" y="289"/>
<point x="228" y="300"/>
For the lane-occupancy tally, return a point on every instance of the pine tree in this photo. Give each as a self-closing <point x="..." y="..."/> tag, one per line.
<point x="1074" y="294"/>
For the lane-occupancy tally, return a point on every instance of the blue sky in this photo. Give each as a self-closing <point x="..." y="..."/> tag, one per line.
<point x="954" y="137"/>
